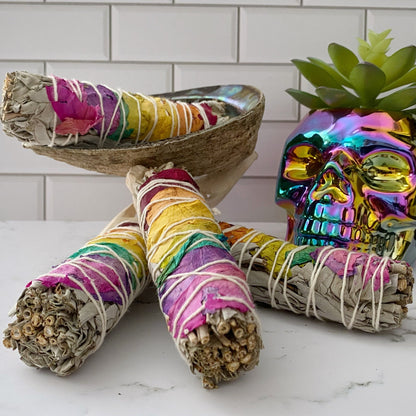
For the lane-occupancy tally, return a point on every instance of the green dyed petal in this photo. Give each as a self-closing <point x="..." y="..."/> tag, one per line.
<point x="302" y="257"/>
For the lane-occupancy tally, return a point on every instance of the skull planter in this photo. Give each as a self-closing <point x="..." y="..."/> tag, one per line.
<point x="348" y="179"/>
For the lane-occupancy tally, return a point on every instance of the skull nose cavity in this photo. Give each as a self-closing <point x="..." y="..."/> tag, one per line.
<point x="331" y="187"/>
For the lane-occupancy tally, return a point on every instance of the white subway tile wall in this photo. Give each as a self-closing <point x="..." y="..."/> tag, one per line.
<point x="23" y="197"/>
<point x="169" y="33"/>
<point x="271" y="79"/>
<point x="269" y="34"/>
<point x="84" y="197"/>
<point x="51" y="31"/>
<point x="146" y="78"/>
<point x="154" y="46"/>
<point x="391" y="4"/>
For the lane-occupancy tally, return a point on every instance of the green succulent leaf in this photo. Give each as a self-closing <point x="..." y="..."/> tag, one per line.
<point x="347" y="82"/>
<point x="382" y="46"/>
<point x="331" y="71"/>
<point x="408" y="78"/>
<point x="398" y="100"/>
<point x="375" y="51"/>
<point x="306" y="99"/>
<point x="343" y="59"/>
<point x="363" y="49"/>
<point x="367" y="80"/>
<point x="315" y="74"/>
<point x="376" y="58"/>
<point x="338" y="98"/>
<point x="399" y="63"/>
<point x="375" y="38"/>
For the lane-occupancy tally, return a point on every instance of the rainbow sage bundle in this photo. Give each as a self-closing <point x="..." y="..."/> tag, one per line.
<point x="62" y="317"/>
<point x="53" y="111"/>
<point x="203" y="294"/>
<point x="359" y="290"/>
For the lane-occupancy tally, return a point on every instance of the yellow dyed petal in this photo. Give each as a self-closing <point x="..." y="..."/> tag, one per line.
<point x="133" y="115"/>
<point x="127" y="244"/>
<point x="190" y="226"/>
<point x="268" y="253"/>
<point x="163" y="127"/>
<point x="147" y="115"/>
<point x="166" y="197"/>
<point x="174" y="214"/>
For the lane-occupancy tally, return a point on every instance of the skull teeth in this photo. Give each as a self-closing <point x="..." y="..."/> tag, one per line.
<point x="313" y="227"/>
<point x="348" y="216"/>
<point x="319" y="233"/>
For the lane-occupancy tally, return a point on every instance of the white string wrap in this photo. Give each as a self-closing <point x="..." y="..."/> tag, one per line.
<point x="133" y="270"/>
<point x="55" y="116"/>
<point x="243" y="245"/>
<point x="75" y="86"/>
<point x="168" y="234"/>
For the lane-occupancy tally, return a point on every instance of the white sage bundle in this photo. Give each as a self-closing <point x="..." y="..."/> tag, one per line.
<point x="63" y="317"/>
<point x="203" y="294"/>
<point x="359" y="290"/>
<point x="53" y="111"/>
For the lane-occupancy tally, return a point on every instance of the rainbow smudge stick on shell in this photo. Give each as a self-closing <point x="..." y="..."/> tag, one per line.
<point x="62" y="317"/>
<point x="203" y="294"/>
<point x="53" y="111"/>
<point x="360" y="290"/>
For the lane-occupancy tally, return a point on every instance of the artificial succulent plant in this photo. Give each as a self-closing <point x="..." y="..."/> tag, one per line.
<point x="377" y="82"/>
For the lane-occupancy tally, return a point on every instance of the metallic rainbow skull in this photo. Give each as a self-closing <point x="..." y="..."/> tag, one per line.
<point x="348" y="178"/>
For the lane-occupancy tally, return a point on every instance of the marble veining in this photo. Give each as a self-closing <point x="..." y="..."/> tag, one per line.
<point x="307" y="367"/>
<point x="346" y="390"/>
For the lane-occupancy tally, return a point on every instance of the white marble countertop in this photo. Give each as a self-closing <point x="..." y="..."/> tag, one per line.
<point x="307" y="367"/>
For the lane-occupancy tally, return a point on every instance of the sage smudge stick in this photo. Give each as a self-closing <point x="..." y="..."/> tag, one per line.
<point x="63" y="317"/>
<point x="359" y="290"/>
<point x="203" y="294"/>
<point x="54" y="111"/>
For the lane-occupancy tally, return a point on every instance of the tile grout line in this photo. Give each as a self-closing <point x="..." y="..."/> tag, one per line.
<point x="172" y="78"/>
<point x="44" y="197"/>
<point x="122" y="62"/>
<point x="365" y="24"/>
<point x="238" y="33"/>
<point x="201" y="5"/>
<point x="110" y="32"/>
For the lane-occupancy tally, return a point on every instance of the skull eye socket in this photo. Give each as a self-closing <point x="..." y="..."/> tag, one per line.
<point x="302" y="162"/>
<point x="387" y="171"/>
